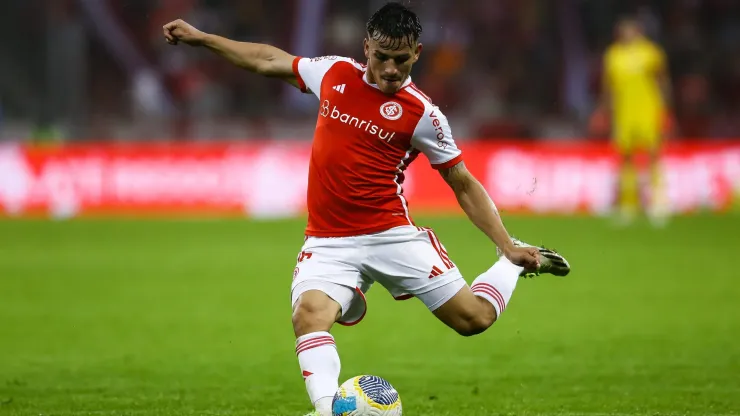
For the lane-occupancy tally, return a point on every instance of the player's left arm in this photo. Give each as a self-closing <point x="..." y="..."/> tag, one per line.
<point x="434" y="138"/>
<point x="477" y="204"/>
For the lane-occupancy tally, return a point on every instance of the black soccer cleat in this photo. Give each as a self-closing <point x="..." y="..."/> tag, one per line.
<point x="551" y="261"/>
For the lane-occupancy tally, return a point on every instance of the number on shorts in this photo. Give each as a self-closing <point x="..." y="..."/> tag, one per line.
<point x="304" y="255"/>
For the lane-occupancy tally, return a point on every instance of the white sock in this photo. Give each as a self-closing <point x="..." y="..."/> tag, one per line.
<point x="319" y="361"/>
<point x="497" y="284"/>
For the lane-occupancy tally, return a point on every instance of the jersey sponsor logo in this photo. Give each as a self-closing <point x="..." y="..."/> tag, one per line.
<point x="332" y="112"/>
<point x="325" y="58"/>
<point x="339" y="88"/>
<point x="391" y="110"/>
<point x="438" y="130"/>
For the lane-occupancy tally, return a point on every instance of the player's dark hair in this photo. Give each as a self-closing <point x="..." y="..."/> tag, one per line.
<point x="392" y="24"/>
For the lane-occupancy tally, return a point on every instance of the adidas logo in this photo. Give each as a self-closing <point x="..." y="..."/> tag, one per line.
<point x="339" y="88"/>
<point x="436" y="271"/>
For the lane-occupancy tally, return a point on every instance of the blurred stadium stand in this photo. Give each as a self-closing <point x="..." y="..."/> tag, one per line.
<point x="99" y="69"/>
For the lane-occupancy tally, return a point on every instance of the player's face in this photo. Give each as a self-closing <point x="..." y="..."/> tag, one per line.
<point x="628" y="32"/>
<point x="389" y="68"/>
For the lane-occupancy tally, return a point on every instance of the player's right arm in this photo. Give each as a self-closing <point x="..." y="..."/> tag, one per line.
<point x="259" y="58"/>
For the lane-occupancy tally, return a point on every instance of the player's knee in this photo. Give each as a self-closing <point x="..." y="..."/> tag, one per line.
<point x="473" y="326"/>
<point x="314" y="313"/>
<point x="475" y="323"/>
<point x="308" y="318"/>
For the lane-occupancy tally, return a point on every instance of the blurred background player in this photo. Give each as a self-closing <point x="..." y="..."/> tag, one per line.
<point x="636" y="90"/>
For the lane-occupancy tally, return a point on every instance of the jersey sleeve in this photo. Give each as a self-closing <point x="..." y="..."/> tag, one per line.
<point x="311" y="71"/>
<point x="433" y="137"/>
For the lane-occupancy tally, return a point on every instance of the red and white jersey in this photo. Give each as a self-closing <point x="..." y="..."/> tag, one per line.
<point x="364" y="140"/>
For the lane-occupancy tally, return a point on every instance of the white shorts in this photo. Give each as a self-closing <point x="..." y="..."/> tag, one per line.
<point x="408" y="261"/>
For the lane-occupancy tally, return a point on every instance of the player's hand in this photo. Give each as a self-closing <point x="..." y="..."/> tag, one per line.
<point x="527" y="257"/>
<point x="181" y="31"/>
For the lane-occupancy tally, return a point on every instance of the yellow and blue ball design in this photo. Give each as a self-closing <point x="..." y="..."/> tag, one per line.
<point x="366" y="396"/>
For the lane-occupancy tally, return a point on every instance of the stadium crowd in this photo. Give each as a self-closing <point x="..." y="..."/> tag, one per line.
<point x="499" y="68"/>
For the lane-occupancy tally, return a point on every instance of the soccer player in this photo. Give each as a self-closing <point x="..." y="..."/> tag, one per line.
<point x="636" y="87"/>
<point x="372" y="123"/>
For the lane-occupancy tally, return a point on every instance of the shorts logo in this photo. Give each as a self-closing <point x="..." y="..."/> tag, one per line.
<point x="391" y="110"/>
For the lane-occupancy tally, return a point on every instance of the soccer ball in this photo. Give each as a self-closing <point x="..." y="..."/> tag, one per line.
<point x="366" y="396"/>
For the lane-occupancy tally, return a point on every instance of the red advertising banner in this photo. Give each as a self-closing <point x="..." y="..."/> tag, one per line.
<point x="269" y="179"/>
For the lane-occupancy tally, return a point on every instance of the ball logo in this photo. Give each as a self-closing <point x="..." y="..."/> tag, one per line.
<point x="391" y="110"/>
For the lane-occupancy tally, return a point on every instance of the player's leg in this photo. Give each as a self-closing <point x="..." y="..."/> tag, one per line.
<point x="414" y="262"/>
<point x="473" y="309"/>
<point x="314" y="313"/>
<point x="323" y="292"/>
<point x="628" y="189"/>
<point x="629" y="186"/>
<point x="658" y="209"/>
<point x="650" y="132"/>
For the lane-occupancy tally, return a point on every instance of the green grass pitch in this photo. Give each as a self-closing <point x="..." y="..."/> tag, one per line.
<point x="103" y="317"/>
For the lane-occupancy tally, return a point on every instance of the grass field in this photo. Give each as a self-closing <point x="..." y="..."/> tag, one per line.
<point x="193" y="318"/>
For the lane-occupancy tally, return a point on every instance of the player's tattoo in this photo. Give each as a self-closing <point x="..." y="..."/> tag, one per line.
<point x="458" y="177"/>
<point x="463" y="182"/>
